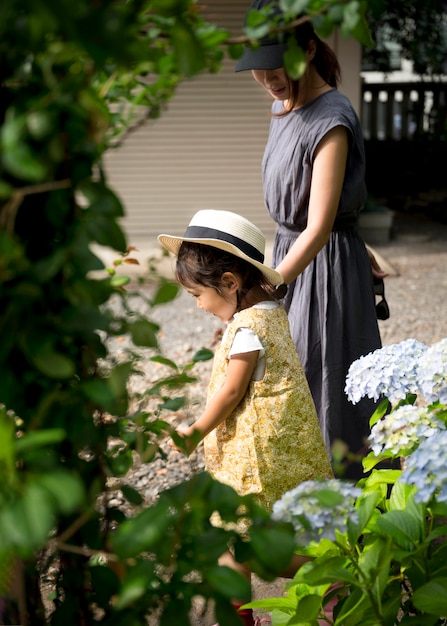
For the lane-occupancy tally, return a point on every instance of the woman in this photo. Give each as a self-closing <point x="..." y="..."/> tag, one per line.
<point x="314" y="188"/>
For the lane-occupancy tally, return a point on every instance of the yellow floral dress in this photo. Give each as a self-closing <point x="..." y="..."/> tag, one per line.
<point x="272" y="441"/>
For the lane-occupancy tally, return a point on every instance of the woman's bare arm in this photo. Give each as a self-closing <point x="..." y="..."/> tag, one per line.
<point x="327" y="182"/>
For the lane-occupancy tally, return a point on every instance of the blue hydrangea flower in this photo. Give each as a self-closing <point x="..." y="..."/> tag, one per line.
<point x="317" y="509"/>
<point x="432" y="372"/>
<point x="426" y="468"/>
<point x="401" y="431"/>
<point x="390" y="371"/>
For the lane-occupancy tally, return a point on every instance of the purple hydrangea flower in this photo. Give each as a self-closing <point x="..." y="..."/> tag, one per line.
<point x="401" y="431"/>
<point x="426" y="468"/>
<point x="432" y="372"/>
<point x="390" y="371"/>
<point x="317" y="509"/>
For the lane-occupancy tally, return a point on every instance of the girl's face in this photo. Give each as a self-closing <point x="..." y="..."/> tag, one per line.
<point x="222" y="303"/>
<point x="276" y="82"/>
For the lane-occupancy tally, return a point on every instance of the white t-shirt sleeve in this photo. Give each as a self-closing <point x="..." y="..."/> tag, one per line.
<point x="245" y="340"/>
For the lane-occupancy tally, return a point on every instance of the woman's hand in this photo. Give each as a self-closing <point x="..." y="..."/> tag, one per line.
<point x="185" y="432"/>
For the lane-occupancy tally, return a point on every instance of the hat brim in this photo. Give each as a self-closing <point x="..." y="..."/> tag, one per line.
<point x="172" y="244"/>
<point x="265" y="57"/>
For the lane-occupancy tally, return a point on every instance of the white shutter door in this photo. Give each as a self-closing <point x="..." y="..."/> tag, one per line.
<point x="204" y="151"/>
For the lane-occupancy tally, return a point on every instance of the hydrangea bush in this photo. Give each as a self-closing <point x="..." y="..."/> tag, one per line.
<point x="379" y="546"/>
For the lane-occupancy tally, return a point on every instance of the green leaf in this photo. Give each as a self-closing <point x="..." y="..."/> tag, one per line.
<point x="235" y="50"/>
<point x="432" y="597"/>
<point x="353" y="609"/>
<point x="66" y="489"/>
<point x="49" y="361"/>
<point x="365" y="505"/>
<point x="173" y="404"/>
<point x="131" y="495"/>
<point x="7" y="448"/>
<point x="279" y="540"/>
<point x="362" y="32"/>
<point x="119" y="281"/>
<point x="164" y="361"/>
<point x="327" y="497"/>
<point x="6" y="190"/>
<point x="309" y="607"/>
<point x="99" y="392"/>
<point x="39" y="124"/>
<point x="203" y="355"/>
<point x="117" y="379"/>
<point x="326" y="570"/>
<point x="351" y="16"/>
<point x="380" y="477"/>
<point x="228" y="582"/>
<point x="374" y="562"/>
<point x="136" y="584"/>
<point x="105" y="584"/>
<point x="379" y="412"/>
<point x="120" y="463"/>
<point x="401" y="497"/>
<point x="38" y="510"/>
<point x="269" y="604"/>
<point x="166" y="292"/>
<point x="104" y="230"/>
<point x="35" y="439"/>
<point x="335" y="13"/>
<point x="143" y="532"/>
<point x="48" y="267"/>
<point x="294" y="7"/>
<point x="101" y="199"/>
<point x="14" y="531"/>
<point x="370" y="461"/>
<point x="188" y="51"/>
<point x="401" y="527"/>
<point x="23" y="163"/>
<point x="143" y="333"/>
<point x="294" y="59"/>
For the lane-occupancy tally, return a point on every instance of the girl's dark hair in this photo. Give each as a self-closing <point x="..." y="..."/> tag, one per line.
<point x="200" y="264"/>
<point x="325" y="62"/>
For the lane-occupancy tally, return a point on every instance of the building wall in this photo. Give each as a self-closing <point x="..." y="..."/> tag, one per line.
<point x="205" y="150"/>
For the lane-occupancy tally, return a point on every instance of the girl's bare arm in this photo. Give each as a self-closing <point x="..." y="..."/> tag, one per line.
<point x="225" y="400"/>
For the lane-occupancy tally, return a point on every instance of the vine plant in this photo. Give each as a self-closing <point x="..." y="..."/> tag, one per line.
<point x="73" y="77"/>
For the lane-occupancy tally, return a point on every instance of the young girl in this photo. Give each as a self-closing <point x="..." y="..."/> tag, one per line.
<point x="260" y="429"/>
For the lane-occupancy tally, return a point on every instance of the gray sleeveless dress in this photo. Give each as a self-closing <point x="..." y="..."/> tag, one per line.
<point x="331" y="305"/>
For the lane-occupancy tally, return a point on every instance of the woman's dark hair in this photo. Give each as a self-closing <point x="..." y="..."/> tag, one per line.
<point x="325" y="62"/>
<point x="200" y="264"/>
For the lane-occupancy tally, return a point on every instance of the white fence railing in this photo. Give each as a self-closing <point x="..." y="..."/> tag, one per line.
<point x="404" y="110"/>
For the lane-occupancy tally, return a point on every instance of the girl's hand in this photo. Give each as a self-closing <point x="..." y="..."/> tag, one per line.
<point x="185" y="432"/>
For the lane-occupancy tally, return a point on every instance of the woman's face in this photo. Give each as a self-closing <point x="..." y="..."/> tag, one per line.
<point x="276" y="82"/>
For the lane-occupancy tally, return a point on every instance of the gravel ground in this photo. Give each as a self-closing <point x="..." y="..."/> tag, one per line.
<point x="416" y="259"/>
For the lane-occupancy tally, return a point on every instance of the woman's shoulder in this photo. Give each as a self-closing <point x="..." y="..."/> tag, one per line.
<point x="332" y="109"/>
<point x="333" y="105"/>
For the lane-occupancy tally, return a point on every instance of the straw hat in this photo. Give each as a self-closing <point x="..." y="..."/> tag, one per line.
<point x="227" y="231"/>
